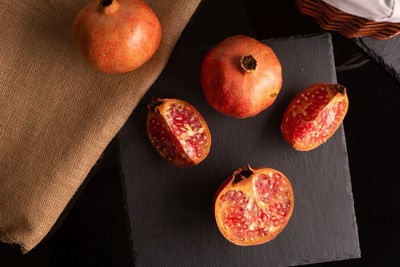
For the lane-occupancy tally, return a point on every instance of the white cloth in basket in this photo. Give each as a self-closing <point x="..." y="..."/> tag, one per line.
<point x="376" y="10"/>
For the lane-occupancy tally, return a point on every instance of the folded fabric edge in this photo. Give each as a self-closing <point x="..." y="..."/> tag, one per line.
<point x="5" y="238"/>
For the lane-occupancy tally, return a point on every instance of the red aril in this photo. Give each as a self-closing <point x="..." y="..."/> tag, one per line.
<point x="253" y="205"/>
<point x="178" y="132"/>
<point x="241" y="77"/>
<point x="314" y="115"/>
<point x="116" y="36"/>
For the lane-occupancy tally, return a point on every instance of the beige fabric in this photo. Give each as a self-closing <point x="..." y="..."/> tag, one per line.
<point x="57" y="114"/>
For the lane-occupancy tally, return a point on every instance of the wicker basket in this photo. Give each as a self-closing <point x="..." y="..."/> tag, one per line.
<point x="333" y="19"/>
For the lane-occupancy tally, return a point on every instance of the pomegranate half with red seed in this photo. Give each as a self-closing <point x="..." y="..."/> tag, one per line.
<point x="253" y="205"/>
<point x="314" y="115"/>
<point x="178" y="132"/>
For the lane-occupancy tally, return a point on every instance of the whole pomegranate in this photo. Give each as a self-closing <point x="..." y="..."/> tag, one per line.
<point x="253" y="205"/>
<point x="178" y="132"/>
<point x="314" y="115"/>
<point x="241" y="77"/>
<point x="116" y="36"/>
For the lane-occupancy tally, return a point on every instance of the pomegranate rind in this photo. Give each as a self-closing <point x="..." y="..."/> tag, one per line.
<point x="118" y="38"/>
<point x="179" y="156"/>
<point x="247" y="187"/>
<point x="305" y="131"/>
<point x="234" y="92"/>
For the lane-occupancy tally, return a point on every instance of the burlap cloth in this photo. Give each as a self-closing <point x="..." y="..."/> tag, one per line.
<point x="57" y="114"/>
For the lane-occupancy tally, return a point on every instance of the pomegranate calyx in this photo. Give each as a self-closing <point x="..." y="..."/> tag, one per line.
<point x="242" y="174"/>
<point x="108" y="7"/>
<point x="248" y="63"/>
<point x="154" y="103"/>
<point x="105" y="3"/>
<point x="339" y="88"/>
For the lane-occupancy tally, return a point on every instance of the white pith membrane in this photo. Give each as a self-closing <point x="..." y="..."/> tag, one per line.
<point x="261" y="213"/>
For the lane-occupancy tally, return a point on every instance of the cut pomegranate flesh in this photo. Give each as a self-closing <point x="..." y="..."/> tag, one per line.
<point x="178" y="132"/>
<point x="314" y="115"/>
<point x="255" y="209"/>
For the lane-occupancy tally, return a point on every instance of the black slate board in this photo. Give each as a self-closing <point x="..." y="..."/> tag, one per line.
<point x="170" y="208"/>
<point x="385" y="52"/>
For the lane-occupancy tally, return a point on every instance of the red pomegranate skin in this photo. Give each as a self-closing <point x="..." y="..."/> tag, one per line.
<point x="232" y="90"/>
<point x="116" y="38"/>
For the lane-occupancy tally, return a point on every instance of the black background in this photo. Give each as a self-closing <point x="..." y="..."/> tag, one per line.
<point x="93" y="229"/>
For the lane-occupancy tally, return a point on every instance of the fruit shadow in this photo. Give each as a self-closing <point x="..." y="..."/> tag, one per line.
<point x="138" y="117"/>
<point x="273" y="120"/>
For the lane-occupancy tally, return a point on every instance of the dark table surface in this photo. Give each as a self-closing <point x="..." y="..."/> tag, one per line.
<point x="174" y="225"/>
<point x="93" y="230"/>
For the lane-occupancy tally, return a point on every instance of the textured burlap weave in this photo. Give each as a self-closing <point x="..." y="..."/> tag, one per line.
<point x="57" y="114"/>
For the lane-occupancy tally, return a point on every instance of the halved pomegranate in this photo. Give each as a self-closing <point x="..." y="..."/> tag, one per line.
<point x="178" y="132"/>
<point x="314" y="115"/>
<point x="253" y="205"/>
